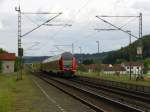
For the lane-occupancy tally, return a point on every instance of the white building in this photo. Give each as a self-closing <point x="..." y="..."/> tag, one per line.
<point x="124" y="68"/>
<point x="135" y="67"/>
<point x="8" y="61"/>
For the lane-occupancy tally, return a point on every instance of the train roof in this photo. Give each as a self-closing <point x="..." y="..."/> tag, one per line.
<point x="53" y="58"/>
<point x="65" y="55"/>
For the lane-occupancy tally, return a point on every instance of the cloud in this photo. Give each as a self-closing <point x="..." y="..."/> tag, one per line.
<point x="1" y="1"/>
<point x="142" y="5"/>
<point x="1" y="26"/>
<point x="78" y="13"/>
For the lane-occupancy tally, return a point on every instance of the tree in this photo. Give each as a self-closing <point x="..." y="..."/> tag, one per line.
<point x="88" y="61"/>
<point x="1" y="50"/>
<point x="146" y="64"/>
<point x="119" y="61"/>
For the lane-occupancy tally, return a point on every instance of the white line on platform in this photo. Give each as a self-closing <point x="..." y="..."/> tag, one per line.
<point x="48" y="97"/>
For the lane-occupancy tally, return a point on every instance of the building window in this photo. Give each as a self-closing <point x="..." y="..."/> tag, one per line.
<point x="7" y="66"/>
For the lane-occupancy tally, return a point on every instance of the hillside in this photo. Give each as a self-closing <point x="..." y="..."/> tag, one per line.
<point x="97" y="57"/>
<point x="123" y="53"/>
<point x="32" y="59"/>
<point x="120" y="55"/>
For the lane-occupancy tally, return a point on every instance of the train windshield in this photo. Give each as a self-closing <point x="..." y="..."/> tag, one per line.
<point x="67" y="63"/>
<point x="67" y="57"/>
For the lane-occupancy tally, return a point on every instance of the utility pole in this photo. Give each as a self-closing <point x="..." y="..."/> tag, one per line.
<point x="80" y="48"/>
<point x="20" y="35"/>
<point x="72" y="48"/>
<point x="98" y="45"/>
<point x="129" y="50"/>
<point x="139" y="48"/>
<point x="20" y="50"/>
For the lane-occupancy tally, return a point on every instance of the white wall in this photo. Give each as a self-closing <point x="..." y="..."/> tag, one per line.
<point x="7" y="66"/>
<point x="134" y="69"/>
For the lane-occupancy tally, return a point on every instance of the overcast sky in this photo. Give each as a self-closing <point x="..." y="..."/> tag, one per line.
<point x="81" y="15"/>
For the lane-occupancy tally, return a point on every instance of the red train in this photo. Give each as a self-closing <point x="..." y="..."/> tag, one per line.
<point x="64" y="64"/>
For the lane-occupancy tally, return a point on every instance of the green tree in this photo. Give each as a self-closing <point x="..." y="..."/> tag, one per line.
<point x="119" y="61"/>
<point x="1" y="50"/>
<point x="88" y="61"/>
<point x="147" y="62"/>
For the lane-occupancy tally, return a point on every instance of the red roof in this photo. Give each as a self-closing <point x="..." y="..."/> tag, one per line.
<point x="7" y="56"/>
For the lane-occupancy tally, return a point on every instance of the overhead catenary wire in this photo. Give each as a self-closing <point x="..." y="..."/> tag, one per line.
<point x="132" y="19"/>
<point x="121" y="26"/>
<point x="34" y="45"/>
<point x="37" y="25"/>
<point x="30" y="20"/>
<point x="116" y="27"/>
<point x="77" y="13"/>
<point x="38" y="13"/>
<point x="46" y="25"/>
<point x="41" y="25"/>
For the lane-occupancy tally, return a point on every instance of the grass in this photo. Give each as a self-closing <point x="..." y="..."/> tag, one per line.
<point x="113" y="77"/>
<point x="17" y="96"/>
<point x="6" y="85"/>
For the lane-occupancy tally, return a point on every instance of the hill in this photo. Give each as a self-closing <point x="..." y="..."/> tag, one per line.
<point x="32" y="59"/>
<point x="129" y="52"/>
<point x="97" y="57"/>
<point x="120" y="55"/>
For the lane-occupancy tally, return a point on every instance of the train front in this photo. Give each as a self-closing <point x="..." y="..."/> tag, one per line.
<point x="69" y="64"/>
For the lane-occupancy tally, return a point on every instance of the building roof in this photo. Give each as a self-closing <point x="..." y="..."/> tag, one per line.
<point x="133" y="63"/>
<point x="7" y="56"/>
<point x="106" y="67"/>
<point x="117" y="67"/>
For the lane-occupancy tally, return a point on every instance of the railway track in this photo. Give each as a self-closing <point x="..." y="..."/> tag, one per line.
<point x="89" y="97"/>
<point x="99" y="82"/>
<point x="134" y="98"/>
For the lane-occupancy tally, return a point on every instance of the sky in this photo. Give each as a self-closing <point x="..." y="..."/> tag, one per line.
<point x="81" y="15"/>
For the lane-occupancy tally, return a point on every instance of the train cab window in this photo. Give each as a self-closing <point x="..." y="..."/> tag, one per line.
<point x="67" y="58"/>
<point x="67" y="63"/>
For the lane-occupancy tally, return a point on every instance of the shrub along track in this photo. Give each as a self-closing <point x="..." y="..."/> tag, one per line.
<point x="87" y="95"/>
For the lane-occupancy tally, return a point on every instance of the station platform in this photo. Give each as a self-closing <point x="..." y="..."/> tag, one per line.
<point x="53" y="100"/>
